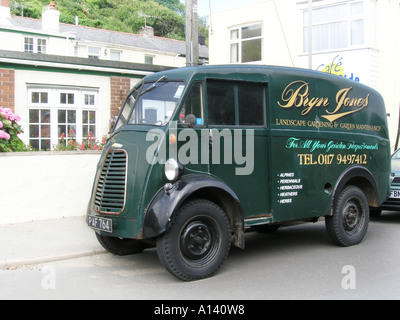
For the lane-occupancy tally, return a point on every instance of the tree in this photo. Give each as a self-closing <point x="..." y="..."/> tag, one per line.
<point x="117" y="15"/>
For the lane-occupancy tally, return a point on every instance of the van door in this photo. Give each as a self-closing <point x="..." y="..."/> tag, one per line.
<point x="192" y="138"/>
<point x="238" y="143"/>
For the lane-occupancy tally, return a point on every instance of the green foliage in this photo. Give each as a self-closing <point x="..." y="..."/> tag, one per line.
<point x="9" y="130"/>
<point x="117" y="15"/>
<point x="70" y="144"/>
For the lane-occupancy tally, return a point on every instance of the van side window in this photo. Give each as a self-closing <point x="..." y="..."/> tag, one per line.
<point x="235" y="103"/>
<point x="193" y="105"/>
<point x="251" y="104"/>
<point x="221" y="103"/>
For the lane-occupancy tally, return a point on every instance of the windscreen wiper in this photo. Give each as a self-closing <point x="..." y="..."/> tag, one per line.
<point x="152" y="86"/>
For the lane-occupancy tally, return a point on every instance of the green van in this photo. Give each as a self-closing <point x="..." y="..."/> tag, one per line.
<point x="200" y="155"/>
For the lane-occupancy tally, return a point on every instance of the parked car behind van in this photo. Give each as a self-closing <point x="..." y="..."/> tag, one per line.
<point x="393" y="202"/>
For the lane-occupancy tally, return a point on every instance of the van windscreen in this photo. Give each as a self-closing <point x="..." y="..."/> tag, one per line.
<point x="157" y="102"/>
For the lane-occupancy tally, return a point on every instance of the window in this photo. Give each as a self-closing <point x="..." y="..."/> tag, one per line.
<point x="89" y="99"/>
<point x="66" y="125"/>
<point x="221" y="103"/>
<point x="41" y="45"/>
<point x="251" y="104"/>
<point x="40" y="129"/>
<point x="156" y="103"/>
<point x="148" y="59"/>
<point x="93" y="53"/>
<point x="335" y="27"/>
<point x="67" y="98"/>
<point x="193" y="105"/>
<point x="35" y="45"/>
<point x="39" y="97"/>
<point x="59" y="114"/>
<point x="115" y="55"/>
<point x="235" y="103"/>
<point x="88" y="123"/>
<point x="28" y="45"/>
<point x="246" y="44"/>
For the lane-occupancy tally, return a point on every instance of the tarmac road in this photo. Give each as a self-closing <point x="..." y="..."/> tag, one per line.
<point x="298" y="262"/>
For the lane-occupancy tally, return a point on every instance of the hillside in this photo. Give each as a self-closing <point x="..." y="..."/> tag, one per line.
<point x="118" y="15"/>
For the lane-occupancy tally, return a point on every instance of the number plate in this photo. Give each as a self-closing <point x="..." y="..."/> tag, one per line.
<point x="395" y="194"/>
<point x="99" y="223"/>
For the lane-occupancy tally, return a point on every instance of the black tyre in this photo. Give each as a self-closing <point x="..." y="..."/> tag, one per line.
<point x="349" y="222"/>
<point x="197" y="243"/>
<point x="121" y="246"/>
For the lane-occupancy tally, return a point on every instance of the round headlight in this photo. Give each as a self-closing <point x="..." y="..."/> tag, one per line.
<point x="173" y="169"/>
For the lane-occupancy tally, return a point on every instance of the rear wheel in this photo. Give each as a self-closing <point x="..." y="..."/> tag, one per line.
<point x="197" y="242"/>
<point x="121" y="246"/>
<point x="349" y="222"/>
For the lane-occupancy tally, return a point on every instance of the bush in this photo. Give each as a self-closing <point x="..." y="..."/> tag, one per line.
<point x="9" y="130"/>
<point x="70" y="144"/>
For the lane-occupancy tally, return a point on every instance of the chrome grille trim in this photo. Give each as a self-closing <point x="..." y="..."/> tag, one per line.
<point x="110" y="192"/>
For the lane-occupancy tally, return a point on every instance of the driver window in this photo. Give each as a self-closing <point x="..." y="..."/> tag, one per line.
<point x="192" y="109"/>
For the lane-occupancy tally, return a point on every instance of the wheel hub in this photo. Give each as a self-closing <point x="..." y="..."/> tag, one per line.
<point x="199" y="241"/>
<point x="351" y="216"/>
<point x="196" y="240"/>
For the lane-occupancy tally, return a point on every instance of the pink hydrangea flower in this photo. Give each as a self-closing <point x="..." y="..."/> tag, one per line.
<point x="1" y="124"/>
<point x="9" y="115"/>
<point x="4" y="135"/>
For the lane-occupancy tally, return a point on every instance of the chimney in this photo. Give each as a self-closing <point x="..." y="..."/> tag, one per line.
<point x="5" y="9"/>
<point x="51" y="19"/>
<point x="147" y="31"/>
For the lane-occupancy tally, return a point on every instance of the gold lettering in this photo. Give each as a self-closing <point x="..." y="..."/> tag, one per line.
<point x="343" y="101"/>
<point x="294" y="97"/>
<point x="300" y="98"/>
<point x="296" y="94"/>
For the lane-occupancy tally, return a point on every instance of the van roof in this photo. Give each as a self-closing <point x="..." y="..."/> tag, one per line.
<point x="262" y="73"/>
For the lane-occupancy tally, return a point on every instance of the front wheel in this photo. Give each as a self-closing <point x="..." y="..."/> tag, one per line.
<point x="349" y="222"/>
<point x="197" y="242"/>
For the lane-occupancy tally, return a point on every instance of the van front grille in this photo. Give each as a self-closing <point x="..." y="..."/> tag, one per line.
<point x="111" y="184"/>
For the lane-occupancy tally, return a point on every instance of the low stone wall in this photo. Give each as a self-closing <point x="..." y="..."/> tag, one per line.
<point x="45" y="185"/>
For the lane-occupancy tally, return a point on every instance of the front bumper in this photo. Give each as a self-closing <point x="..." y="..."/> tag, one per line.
<point x="112" y="226"/>
<point x="393" y="203"/>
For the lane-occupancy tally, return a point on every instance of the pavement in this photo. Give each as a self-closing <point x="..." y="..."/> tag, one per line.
<point x="36" y="242"/>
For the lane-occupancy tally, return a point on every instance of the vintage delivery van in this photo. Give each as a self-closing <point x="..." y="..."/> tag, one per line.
<point x="200" y="155"/>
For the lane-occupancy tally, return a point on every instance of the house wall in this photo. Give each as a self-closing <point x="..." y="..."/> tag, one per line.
<point x="281" y="31"/>
<point x="129" y="54"/>
<point x="45" y="185"/>
<point x="120" y="87"/>
<point x="7" y="83"/>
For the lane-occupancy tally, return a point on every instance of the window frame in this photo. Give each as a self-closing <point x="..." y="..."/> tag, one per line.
<point x="182" y="111"/>
<point x="54" y="105"/>
<point x="41" y="124"/>
<point x="347" y="21"/>
<point x="113" y="54"/>
<point x="235" y="83"/>
<point x="28" y="44"/>
<point x="239" y="40"/>
<point x="147" y="57"/>
<point x="34" y="44"/>
<point x="94" y="55"/>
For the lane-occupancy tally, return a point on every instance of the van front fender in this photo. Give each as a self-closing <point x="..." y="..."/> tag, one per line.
<point x="160" y="212"/>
